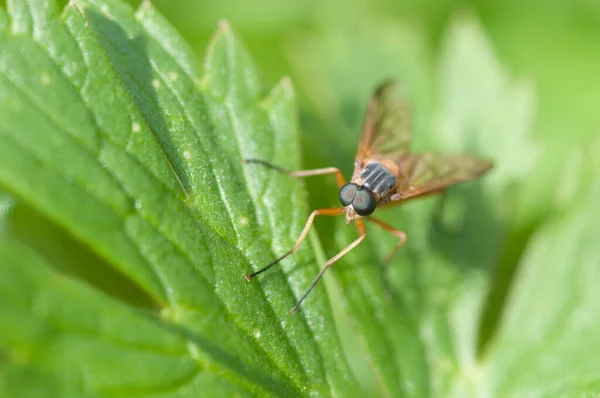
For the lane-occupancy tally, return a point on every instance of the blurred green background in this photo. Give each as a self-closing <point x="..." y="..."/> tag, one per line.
<point x="554" y="43"/>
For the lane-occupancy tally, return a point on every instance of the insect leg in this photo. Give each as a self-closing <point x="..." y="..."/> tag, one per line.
<point x="339" y="177"/>
<point x="401" y="235"/>
<point x="362" y="234"/>
<point x="394" y="231"/>
<point x="320" y="212"/>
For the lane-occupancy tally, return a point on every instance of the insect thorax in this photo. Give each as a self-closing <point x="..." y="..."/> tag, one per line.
<point x="377" y="179"/>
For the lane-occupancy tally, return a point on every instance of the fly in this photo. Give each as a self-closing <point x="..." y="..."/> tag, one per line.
<point x="386" y="173"/>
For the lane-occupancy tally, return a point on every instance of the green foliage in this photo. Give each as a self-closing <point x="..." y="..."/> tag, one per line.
<point x="107" y="132"/>
<point x="127" y="220"/>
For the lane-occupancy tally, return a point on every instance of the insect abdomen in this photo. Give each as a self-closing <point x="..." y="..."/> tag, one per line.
<point x="377" y="179"/>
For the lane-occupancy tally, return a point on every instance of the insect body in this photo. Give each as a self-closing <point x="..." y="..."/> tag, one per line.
<point x="377" y="179"/>
<point x="386" y="173"/>
<point x="364" y="194"/>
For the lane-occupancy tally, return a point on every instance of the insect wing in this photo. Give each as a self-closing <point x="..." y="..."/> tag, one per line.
<point x="420" y="174"/>
<point x="386" y="129"/>
<point x="386" y="138"/>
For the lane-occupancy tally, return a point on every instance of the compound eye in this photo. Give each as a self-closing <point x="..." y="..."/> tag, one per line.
<point x="347" y="193"/>
<point x="364" y="202"/>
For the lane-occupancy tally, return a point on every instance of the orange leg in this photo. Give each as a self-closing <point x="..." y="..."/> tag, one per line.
<point x="401" y="235"/>
<point x="362" y="234"/>
<point x="339" y="177"/>
<point x="394" y="231"/>
<point x="311" y="218"/>
<point x="324" y="212"/>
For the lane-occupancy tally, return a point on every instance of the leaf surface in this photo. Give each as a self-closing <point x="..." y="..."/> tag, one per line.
<point x="107" y="131"/>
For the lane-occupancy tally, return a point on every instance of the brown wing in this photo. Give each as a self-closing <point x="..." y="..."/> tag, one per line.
<point x="386" y="127"/>
<point x="424" y="173"/>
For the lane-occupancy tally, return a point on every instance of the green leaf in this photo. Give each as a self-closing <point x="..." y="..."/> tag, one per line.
<point x="551" y="326"/>
<point x="7" y="204"/>
<point x="460" y="240"/>
<point x="107" y="132"/>
<point x="127" y="220"/>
